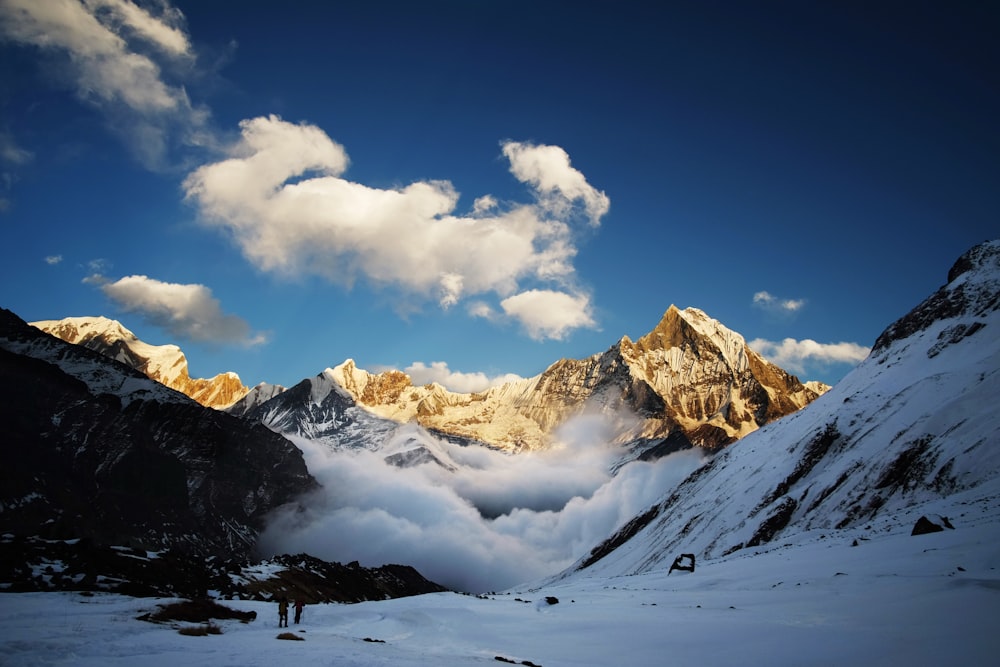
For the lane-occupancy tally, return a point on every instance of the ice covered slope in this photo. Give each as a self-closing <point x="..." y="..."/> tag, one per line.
<point x="164" y="363"/>
<point x="915" y="425"/>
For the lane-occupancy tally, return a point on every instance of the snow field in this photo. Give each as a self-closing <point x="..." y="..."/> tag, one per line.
<point x="893" y="599"/>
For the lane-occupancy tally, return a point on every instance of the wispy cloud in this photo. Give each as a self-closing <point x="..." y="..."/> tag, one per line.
<point x="52" y="260"/>
<point x="12" y="158"/>
<point x="189" y="311"/>
<point x="438" y="371"/>
<point x="113" y="51"/>
<point x="773" y="304"/>
<point x="283" y="197"/>
<point x="792" y="354"/>
<point x="97" y="268"/>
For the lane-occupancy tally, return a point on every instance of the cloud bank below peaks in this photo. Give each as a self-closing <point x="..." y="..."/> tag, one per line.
<point x="282" y="196"/>
<point x="489" y="521"/>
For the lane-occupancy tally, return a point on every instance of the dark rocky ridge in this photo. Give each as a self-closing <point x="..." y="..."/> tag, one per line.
<point x="34" y="564"/>
<point x="126" y="471"/>
<point x="953" y="298"/>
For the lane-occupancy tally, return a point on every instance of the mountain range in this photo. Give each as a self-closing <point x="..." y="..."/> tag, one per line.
<point x="99" y="450"/>
<point x="689" y="382"/>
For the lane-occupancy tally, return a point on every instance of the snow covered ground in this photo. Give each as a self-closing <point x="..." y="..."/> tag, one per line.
<point x="893" y="599"/>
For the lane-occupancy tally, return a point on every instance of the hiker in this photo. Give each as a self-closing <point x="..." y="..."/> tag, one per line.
<point x="283" y="612"/>
<point x="299" y="606"/>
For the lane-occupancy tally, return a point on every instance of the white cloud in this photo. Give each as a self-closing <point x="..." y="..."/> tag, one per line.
<point x="773" y="304"/>
<point x="792" y="354"/>
<point x="107" y="67"/>
<point x="52" y="260"/>
<point x="484" y="204"/>
<point x="481" y="309"/>
<point x="466" y="383"/>
<point x="158" y="31"/>
<point x="187" y="311"/>
<point x="549" y="314"/>
<point x="282" y="196"/>
<point x="558" y="184"/>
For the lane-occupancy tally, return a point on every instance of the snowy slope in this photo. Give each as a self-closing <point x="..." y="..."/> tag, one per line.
<point x="912" y="427"/>
<point x="896" y="600"/>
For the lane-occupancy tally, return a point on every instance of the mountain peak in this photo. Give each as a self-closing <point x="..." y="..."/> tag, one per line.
<point x="164" y="363"/>
<point x="970" y="294"/>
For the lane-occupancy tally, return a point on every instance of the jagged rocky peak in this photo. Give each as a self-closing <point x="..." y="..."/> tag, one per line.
<point x="164" y="363"/>
<point x="680" y="329"/>
<point x="368" y="388"/>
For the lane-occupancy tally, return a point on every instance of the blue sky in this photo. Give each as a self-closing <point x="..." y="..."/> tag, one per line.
<point x="473" y="189"/>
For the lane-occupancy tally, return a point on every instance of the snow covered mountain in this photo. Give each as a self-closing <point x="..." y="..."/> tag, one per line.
<point x="689" y="382"/>
<point x="164" y="363"/>
<point x="912" y="430"/>
<point x="318" y="409"/>
<point x="93" y="450"/>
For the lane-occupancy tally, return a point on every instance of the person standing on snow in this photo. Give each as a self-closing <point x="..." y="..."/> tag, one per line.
<point x="283" y="612"/>
<point x="299" y="606"/>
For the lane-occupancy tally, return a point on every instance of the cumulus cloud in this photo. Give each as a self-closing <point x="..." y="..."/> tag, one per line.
<point x="489" y="523"/>
<point x="186" y="311"/>
<point x="283" y="197"/>
<point x="773" y="304"/>
<point x="549" y="314"/>
<point x="52" y="260"/>
<point x="792" y="354"/>
<point x="466" y="383"/>
<point x="548" y="169"/>
<point x="106" y="49"/>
